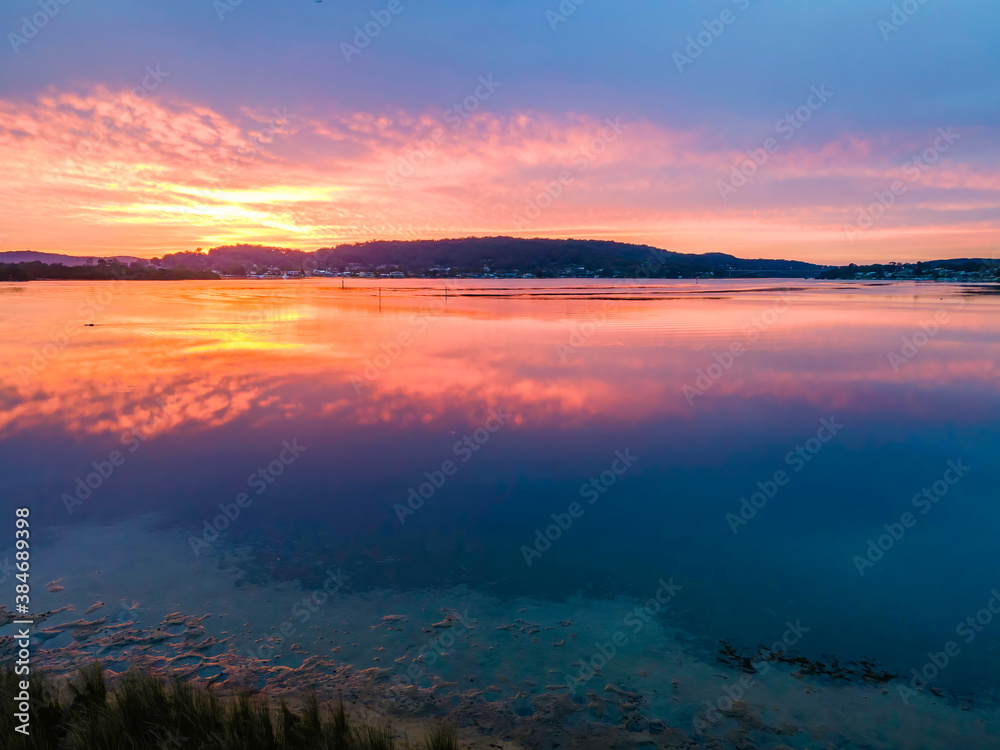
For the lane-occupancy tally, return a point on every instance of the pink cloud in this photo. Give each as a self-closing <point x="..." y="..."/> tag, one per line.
<point x="103" y="171"/>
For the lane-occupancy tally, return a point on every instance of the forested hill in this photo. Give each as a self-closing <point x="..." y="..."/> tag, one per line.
<point x="495" y="255"/>
<point x="102" y="271"/>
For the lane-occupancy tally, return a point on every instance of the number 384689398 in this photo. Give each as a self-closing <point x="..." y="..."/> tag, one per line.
<point x="22" y="536"/>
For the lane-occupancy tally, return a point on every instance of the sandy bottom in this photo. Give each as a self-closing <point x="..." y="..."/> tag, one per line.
<point x="512" y="673"/>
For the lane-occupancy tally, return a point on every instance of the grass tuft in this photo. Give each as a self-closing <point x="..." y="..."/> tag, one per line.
<point x="444" y="736"/>
<point x="143" y="712"/>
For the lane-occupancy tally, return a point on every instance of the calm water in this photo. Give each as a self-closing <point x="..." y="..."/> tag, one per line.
<point x="823" y="410"/>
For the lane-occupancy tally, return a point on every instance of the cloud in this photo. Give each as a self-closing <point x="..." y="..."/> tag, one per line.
<point x="97" y="170"/>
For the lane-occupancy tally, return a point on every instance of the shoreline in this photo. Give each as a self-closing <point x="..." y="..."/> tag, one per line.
<point x="500" y="682"/>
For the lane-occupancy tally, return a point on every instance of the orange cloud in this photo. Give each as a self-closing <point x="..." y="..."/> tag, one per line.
<point x="104" y="171"/>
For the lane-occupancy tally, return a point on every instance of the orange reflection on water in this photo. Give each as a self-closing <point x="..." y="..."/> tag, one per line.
<point x="196" y="355"/>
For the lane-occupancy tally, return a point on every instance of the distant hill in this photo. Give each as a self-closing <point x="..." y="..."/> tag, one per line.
<point x="30" y="256"/>
<point x="545" y="257"/>
<point x="505" y="255"/>
<point x="956" y="269"/>
<point x="962" y="264"/>
<point x="105" y="270"/>
<point x="239" y="259"/>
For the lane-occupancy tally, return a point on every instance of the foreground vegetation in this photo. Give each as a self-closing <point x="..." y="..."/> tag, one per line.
<point x="142" y="712"/>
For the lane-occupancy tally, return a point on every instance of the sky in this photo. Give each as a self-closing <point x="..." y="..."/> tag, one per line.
<point x="849" y="130"/>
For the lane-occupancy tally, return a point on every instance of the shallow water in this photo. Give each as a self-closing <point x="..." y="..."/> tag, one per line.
<point x="627" y="421"/>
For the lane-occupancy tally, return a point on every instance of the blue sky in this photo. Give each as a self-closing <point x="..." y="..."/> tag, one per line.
<point x="893" y="88"/>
